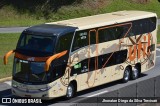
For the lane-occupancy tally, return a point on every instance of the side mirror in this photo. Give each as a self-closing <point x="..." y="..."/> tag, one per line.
<point x="5" y="59"/>
<point x="55" y="56"/>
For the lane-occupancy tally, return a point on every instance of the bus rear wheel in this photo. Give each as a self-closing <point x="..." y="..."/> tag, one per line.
<point x="135" y="73"/>
<point x="70" y="91"/>
<point x="126" y="75"/>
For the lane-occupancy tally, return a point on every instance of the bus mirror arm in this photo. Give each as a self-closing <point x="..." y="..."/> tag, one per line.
<point x="5" y="59"/>
<point x="56" y="56"/>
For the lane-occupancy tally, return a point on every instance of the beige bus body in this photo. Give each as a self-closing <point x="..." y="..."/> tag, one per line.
<point x="136" y="47"/>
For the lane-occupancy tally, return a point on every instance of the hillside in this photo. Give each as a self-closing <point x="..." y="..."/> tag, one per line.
<point x="31" y="12"/>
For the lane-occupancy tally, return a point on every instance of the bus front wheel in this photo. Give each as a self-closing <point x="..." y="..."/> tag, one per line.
<point x="126" y="75"/>
<point x="70" y="91"/>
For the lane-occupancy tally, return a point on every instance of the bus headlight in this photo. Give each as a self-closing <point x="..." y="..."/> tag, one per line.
<point x="45" y="89"/>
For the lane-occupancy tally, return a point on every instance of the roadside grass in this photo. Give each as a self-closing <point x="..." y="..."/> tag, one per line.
<point x="11" y="16"/>
<point x="118" y="5"/>
<point x="7" y="42"/>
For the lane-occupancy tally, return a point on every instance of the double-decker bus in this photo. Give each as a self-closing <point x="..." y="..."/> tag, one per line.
<point x="61" y="58"/>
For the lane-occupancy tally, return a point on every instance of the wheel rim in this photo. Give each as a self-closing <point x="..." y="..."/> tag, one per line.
<point x="135" y="73"/>
<point x="126" y="75"/>
<point x="69" y="91"/>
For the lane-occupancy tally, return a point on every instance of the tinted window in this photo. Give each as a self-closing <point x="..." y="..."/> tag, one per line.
<point x="58" y="71"/>
<point x="64" y="42"/>
<point x="36" y="45"/>
<point x="83" y="66"/>
<point x="92" y="37"/>
<point x="143" y="26"/>
<point x="112" y="33"/>
<point x="114" y="59"/>
<point x="92" y="64"/>
<point x="80" y="40"/>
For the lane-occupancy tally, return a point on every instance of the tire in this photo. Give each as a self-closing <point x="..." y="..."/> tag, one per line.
<point x="126" y="75"/>
<point x="70" y="91"/>
<point x="135" y="73"/>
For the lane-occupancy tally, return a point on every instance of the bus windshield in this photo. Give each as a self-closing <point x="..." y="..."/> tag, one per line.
<point x="30" y="72"/>
<point x="36" y="44"/>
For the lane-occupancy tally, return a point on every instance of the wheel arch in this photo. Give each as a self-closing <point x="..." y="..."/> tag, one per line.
<point x="130" y="67"/>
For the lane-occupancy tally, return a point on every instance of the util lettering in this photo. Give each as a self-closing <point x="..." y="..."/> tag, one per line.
<point x="140" y="48"/>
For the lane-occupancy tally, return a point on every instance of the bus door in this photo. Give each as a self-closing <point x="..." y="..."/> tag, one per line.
<point x="89" y="77"/>
<point x="83" y="58"/>
<point x="106" y="48"/>
<point x="92" y="77"/>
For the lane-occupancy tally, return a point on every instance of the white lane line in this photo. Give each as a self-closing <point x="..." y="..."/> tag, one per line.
<point x="98" y="94"/>
<point x="157" y="56"/>
<point x="158" y="49"/>
<point x="8" y="82"/>
<point x="75" y="101"/>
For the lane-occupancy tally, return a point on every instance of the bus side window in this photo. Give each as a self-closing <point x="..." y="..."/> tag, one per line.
<point x="58" y="71"/>
<point x="152" y="23"/>
<point x="92" y="37"/>
<point x="92" y="64"/>
<point x="120" y="56"/>
<point x="115" y="58"/>
<point x="118" y="32"/>
<point x="112" y="33"/>
<point x="80" y="40"/>
<point x="104" y="35"/>
<point x="64" y="43"/>
<point x="143" y="26"/>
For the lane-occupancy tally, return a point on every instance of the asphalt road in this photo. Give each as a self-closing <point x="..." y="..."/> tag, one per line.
<point x="5" y="90"/>
<point x="20" y="29"/>
<point x="12" y="29"/>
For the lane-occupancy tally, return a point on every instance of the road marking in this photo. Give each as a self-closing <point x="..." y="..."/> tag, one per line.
<point x="157" y="56"/>
<point x="98" y="94"/>
<point x="8" y="82"/>
<point x="158" y="49"/>
<point x="76" y="101"/>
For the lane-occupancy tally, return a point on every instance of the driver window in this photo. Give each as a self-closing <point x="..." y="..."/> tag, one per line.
<point x="64" y="42"/>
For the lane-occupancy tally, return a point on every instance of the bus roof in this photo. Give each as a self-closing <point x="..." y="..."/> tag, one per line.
<point x="49" y="29"/>
<point x="104" y="19"/>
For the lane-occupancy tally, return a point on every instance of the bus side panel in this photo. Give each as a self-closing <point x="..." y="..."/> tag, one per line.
<point x="151" y="52"/>
<point x="108" y="68"/>
<point x="83" y="67"/>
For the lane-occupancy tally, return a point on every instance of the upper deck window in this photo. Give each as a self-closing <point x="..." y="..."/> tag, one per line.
<point x="36" y="44"/>
<point x="143" y="26"/>
<point x="81" y="39"/>
<point x="112" y="33"/>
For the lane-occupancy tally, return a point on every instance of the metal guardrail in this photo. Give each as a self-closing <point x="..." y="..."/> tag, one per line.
<point x="143" y="89"/>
